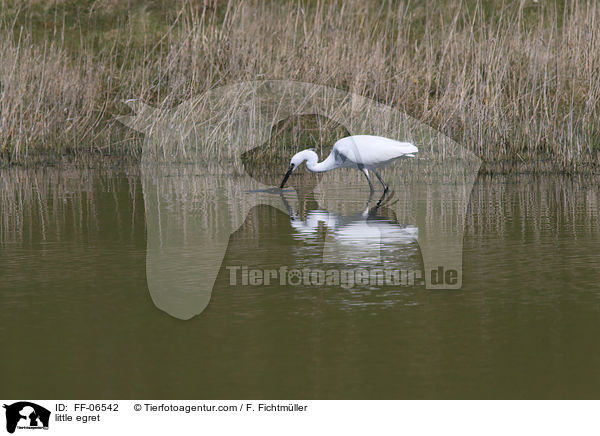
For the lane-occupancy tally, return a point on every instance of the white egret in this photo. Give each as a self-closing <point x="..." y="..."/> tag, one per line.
<point x="364" y="152"/>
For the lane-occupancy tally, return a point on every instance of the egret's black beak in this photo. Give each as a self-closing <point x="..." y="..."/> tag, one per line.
<point x="290" y="170"/>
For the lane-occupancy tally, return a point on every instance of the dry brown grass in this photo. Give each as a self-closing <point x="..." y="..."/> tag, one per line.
<point x="519" y="81"/>
<point x="46" y="102"/>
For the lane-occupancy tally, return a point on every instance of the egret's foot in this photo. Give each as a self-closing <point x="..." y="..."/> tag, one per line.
<point x="387" y="199"/>
<point x="380" y="201"/>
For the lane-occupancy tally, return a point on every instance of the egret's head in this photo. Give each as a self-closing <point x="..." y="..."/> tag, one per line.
<point x="296" y="161"/>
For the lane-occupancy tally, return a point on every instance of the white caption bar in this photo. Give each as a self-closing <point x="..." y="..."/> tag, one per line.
<point x="297" y="417"/>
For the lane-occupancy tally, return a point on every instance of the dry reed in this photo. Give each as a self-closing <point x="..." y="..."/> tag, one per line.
<point x="510" y="81"/>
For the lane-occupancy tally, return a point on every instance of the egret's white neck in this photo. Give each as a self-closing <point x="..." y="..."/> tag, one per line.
<point x="312" y="161"/>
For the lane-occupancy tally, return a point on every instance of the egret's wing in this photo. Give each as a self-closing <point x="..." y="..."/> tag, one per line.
<point x="371" y="150"/>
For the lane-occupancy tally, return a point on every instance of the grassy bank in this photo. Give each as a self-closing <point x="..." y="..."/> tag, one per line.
<point x="512" y="81"/>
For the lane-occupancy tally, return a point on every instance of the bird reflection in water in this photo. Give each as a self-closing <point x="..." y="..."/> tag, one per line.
<point x="369" y="237"/>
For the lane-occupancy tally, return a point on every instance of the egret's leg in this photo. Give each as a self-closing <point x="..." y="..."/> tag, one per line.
<point x="380" y="201"/>
<point x="366" y="173"/>
<point x="367" y="211"/>
<point x="385" y="187"/>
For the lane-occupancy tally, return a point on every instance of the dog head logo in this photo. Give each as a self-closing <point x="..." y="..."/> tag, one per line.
<point x="27" y="415"/>
<point x="199" y="183"/>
